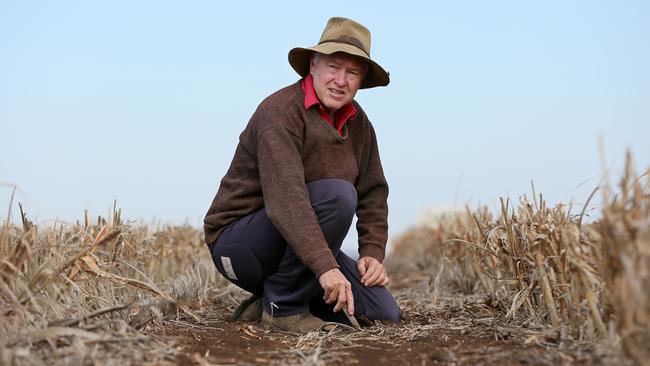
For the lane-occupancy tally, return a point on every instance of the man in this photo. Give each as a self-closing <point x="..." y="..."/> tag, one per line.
<point x="305" y="164"/>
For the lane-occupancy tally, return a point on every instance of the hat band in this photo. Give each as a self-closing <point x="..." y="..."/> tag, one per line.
<point x="348" y="40"/>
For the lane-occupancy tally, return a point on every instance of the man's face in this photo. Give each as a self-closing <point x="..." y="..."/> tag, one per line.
<point x="337" y="78"/>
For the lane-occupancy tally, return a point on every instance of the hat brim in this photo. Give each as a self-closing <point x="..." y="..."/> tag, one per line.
<point x="376" y="75"/>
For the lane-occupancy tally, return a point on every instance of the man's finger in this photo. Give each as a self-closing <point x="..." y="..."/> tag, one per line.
<point x="384" y="282"/>
<point x="380" y="280"/>
<point x="370" y="268"/>
<point x="361" y="266"/>
<point x="327" y="294"/>
<point x="369" y="274"/>
<point x="350" y="299"/>
<point x="333" y="296"/>
<point x="375" y="278"/>
<point x="341" y="300"/>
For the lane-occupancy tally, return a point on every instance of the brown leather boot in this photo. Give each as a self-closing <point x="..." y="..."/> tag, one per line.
<point x="300" y="323"/>
<point x="250" y="310"/>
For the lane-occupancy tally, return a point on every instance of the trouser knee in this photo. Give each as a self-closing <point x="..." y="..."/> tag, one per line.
<point x="335" y="203"/>
<point x="389" y="312"/>
<point x="333" y="195"/>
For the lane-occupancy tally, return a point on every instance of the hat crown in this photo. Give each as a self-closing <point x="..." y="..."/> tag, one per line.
<point x="344" y="30"/>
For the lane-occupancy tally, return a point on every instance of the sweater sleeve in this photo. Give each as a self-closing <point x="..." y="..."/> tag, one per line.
<point x="372" y="206"/>
<point x="286" y="198"/>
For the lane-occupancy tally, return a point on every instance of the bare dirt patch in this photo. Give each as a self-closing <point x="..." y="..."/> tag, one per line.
<point x="453" y="331"/>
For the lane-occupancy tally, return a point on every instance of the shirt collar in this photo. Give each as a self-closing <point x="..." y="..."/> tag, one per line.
<point x="310" y="93"/>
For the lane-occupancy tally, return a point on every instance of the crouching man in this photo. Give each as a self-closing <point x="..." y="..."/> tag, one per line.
<point x="306" y="163"/>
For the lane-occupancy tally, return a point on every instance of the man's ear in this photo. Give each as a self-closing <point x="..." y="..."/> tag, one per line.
<point x="314" y="59"/>
<point x="312" y="63"/>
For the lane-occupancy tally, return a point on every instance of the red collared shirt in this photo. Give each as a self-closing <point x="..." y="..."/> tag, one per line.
<point x="341" y="116"/>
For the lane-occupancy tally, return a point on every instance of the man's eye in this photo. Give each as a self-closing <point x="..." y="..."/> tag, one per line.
<point x="352" y="75"/>
<point x="333" y="67"/>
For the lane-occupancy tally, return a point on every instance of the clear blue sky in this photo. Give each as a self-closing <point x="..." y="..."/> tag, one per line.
<point x="143" y="101"/>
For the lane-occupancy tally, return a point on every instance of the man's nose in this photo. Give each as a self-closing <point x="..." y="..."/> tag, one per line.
<point x="339" y="78"/>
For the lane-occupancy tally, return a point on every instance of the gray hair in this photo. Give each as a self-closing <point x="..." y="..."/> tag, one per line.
<point x="315" y="57"/>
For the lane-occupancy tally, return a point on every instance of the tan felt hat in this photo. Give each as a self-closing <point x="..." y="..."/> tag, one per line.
<point x="342" y="35"/>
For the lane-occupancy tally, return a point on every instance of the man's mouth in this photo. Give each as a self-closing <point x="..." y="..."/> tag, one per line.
<point x="336" y="92"/>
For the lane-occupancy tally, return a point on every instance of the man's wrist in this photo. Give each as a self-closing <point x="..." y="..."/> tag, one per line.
<point x="322" y="263"/>
<point x="373" y="251"/>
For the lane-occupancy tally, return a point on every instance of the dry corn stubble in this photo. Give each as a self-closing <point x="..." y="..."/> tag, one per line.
<point x="542" y="265"/>
<point x="625" y="261"/>
<point x="67" y="289"/>
<point x="72" y="285"/>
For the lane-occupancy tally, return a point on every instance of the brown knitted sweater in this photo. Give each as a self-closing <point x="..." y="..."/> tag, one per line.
<point x="285" y="146"/>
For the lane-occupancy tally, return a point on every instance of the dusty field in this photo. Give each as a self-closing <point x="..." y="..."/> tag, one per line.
<point x="531" y="285"/>
<point x="455" y="331"/>
<point x="89" y="324"/>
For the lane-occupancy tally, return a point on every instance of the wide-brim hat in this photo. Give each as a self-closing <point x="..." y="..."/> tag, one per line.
<point x="342" y="35"/>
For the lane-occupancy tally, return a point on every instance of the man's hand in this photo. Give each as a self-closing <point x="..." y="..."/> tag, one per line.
<point x="372" y="272"/>
<point x="337" y="289"/>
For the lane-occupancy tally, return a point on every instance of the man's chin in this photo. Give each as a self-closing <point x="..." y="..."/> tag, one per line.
<point x="334" y="106"/>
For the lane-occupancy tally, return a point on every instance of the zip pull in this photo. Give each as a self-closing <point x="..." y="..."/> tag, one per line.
<point x="273" y="306"/>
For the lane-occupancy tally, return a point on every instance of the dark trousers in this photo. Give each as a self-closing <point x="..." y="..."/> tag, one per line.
<point x="253" y="255"/>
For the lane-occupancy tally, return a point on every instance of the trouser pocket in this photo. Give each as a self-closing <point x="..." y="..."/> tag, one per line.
<point x="238" y="264"/>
